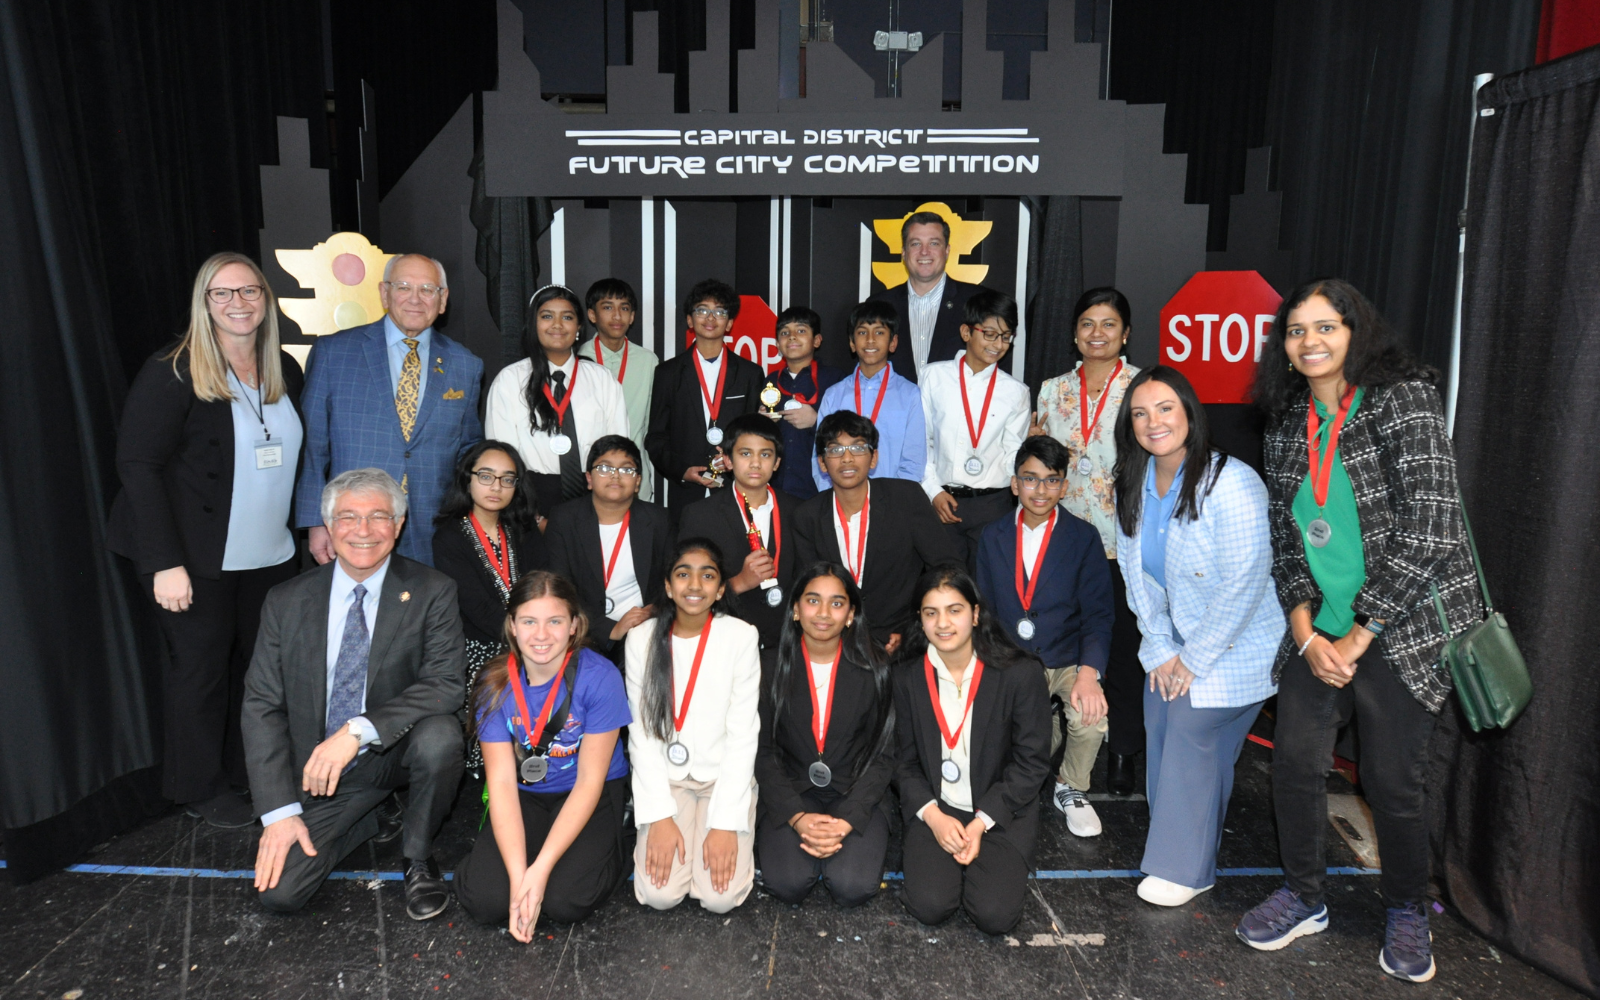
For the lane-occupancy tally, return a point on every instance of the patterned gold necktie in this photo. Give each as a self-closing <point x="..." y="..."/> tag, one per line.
<point x="406" y="396"/>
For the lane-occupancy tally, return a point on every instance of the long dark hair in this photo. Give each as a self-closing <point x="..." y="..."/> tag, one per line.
<point x="1199" y="476"/>
<point x="520" y="514"/>
<point x="656" y="691"/>
<point x="495" y="675"/>
<point x="989" y="640"/>
<point x="859" y="649"/>
<point x="1373" y="358"/>
<point x="541" y="415"/>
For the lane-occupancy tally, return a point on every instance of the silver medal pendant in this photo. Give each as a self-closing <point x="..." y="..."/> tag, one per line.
<point x="560" y="444"/>
<point x="1085" y="466"/>
<point x="820" y="774"/>
<point x="1025" y="629"/>
<point x="714" y="434"/>
<point x="610" y="606"/>
<point x="1318" y="533"/>
<point x="949" y="771"/>
<point x="792" y="404"/>
<point x="533" y="769"/>
<point x="774" y="596"/>
<point x="677" y="754"/>
<point x="974" y="465"/>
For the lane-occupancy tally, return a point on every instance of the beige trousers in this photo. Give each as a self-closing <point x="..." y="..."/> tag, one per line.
<point x="691" y="877"/>
<point x="1083" y="742"/>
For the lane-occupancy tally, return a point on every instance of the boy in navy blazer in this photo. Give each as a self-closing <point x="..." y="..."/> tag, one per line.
<point x="1054" y="600"/>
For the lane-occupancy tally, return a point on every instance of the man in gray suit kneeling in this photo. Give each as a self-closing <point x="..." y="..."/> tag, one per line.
<point x="352" y="693"/>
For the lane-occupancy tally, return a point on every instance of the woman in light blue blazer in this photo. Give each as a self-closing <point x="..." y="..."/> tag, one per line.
<point x="1196" y="522"/>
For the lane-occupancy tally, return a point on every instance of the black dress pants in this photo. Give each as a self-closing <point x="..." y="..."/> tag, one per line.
<point x="975" y="514"/>
<point x="581" y="881"/>
<point x="992" y="889"/>
<point x="1125" y="678"/>
<point x="1394" y="732"/>
<point x="852" y="876"/>
<point x="429" y="759"/>
<point x="209" y="649"/>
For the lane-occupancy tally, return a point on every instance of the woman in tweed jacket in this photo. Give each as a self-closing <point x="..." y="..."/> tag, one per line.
<point x="1355" y="550"/>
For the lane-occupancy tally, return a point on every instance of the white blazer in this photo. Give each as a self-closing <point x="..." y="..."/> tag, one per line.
<point x="597" y="410"/>
<point x="721" y="730"/>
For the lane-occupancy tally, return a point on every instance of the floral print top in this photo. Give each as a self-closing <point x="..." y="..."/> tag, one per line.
<point x="1093" y="496"/>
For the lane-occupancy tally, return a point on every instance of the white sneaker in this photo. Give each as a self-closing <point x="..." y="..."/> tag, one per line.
<point x="1082" y="820"/>
<point x="1163" y="893"/>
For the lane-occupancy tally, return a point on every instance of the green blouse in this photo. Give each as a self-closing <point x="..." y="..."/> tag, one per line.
<point x="1340" y="567"/>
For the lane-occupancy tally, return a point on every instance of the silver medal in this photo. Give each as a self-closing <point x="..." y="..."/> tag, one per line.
<point x="1318" y="532"/>
<point x="774" y="597"/>
<point x="1085" y="466"/>
<point x="949" y="771"/>
<point x="560" y="444"/>
<point x="677" y="754"/>
<point x="792" y="404"/>
<point x="534" y="768"/>
<point x="714" y="434"/>
<point x="820" y="774"/>
<point x="1025" y="629"/>
<point x="974" y="465"/>
<point x="610" y="606"/>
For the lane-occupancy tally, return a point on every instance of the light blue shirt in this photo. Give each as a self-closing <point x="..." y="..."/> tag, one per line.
<point x="395" y="338"/>
<point x="340" y="598"/>
<point x="902" y="428"/>
<point x="258" y="517"/>
<point x="1157" y="518"/>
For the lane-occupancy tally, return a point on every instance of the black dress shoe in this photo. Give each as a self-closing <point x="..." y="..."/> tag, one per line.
<point x="1120" y="774"/>
<point x="391" y="819"/>
<point x="229" y="811"/>
<point x="426" y="895"/>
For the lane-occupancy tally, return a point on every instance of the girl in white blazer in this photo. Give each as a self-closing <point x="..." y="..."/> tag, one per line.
<point x="694" y="685"/>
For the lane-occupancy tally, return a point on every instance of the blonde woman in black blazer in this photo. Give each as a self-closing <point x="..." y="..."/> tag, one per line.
<point x="972" y="811"/>
<point x="208" y="451"/>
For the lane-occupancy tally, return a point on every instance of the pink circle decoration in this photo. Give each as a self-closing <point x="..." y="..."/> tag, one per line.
<point x="349" y="269"/>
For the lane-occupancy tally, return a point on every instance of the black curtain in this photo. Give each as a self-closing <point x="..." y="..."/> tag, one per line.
<point x="1055" y="280"/>
<point x="130" y="143"/>
<point x="1516" y="824"/>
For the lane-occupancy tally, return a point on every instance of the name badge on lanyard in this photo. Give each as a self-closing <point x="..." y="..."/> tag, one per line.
<point x="269" y="454"/>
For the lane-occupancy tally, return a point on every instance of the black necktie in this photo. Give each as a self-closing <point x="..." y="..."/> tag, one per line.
<point x="572" y="481"/>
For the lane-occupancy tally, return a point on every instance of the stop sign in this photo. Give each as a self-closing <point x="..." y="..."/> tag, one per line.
<point x="1213" y="331"/>
<point x="754" y="333"/>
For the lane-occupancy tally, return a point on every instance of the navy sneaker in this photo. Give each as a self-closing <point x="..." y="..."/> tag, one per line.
<point x="1408" y="945"/>
<point x="1281" y="919"/>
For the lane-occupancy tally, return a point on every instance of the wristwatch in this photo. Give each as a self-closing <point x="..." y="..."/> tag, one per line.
<point x="1370" y="624"/>
<point x="355" y="730"/>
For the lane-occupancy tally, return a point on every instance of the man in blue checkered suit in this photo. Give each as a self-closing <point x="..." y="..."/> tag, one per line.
<point x="395" y="395"/>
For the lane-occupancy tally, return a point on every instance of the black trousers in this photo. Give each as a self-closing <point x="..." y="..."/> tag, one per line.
<point x="851" y="876"/>
<point x="584" y="878"/>
<point x="992" y="889"/>
<point x="546" y="491"/>
<point x="975" y="514"/>
<point x="202" y="689"/>
<point x="1125" y="678"/>
<point x="428" y="758"/>
<point x="1394" y="732"/>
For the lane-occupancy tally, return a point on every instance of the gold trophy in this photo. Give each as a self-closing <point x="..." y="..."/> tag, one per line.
<point x="771" y="396"/>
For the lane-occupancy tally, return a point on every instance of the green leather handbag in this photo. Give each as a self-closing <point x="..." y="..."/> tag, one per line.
<point x="1490" y="675"/>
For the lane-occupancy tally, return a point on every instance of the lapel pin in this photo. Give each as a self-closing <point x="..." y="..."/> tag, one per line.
<point x="405" y="595"/>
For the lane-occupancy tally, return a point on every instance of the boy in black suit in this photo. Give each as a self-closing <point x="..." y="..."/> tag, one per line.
<point x="751" y="524"/>
<point x="613" y="546"/>
<point x="883" y="531"/>
<point x="696" y="395"/>
<point x="801" y="380"/>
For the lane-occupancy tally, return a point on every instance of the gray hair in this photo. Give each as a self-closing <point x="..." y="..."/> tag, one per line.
<point x="368" y="481"/>
<point x="388" y="268"/>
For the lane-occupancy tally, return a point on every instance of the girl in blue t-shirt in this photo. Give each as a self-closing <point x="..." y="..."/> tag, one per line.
<point x="548" y="716"/>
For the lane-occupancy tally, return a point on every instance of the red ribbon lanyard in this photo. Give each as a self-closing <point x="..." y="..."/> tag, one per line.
<point x="1026" y="594"/>
<point x="600" y="355"/>
<point x="1084" y="423"/>
<point x="694" y="675"/>
<point x="501" y="563"/>
<point x="950" y="738"/>
<point x="514" y="678"/>
<point x="821" y="714"/>
<point x="816" y="388"/>
<point x="713" y="406"/>
<point x="966" y="408"/>
<point x="752" y="533"/>
<point x="1323" y="469"/>
<point x="883" y="390"/>
<point x="566" y="401"/>
<point x="844" y="529"/>
<point x="616" y="548"/>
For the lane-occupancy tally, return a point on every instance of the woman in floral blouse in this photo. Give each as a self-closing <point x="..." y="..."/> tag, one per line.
<point x="1088" y="397"/>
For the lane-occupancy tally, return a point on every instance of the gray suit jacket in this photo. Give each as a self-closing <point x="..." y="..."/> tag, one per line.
<point x="417" y="669"/>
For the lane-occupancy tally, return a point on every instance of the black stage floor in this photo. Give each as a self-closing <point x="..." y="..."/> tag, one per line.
<point x="184" y="925"/>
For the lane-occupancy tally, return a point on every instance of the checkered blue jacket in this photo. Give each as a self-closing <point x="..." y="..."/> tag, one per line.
<point x="1220" y="608"/>
<point x="351" y="423"/>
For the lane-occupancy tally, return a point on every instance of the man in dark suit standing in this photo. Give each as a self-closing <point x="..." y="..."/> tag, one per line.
<point x="932" y="304"/>
<point x="352" y="693"/>
<point x="696" y="395"/>
<point x="883" y="531"/>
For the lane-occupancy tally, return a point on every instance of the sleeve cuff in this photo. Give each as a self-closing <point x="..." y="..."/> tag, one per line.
<point x="924" y="809"/>
<point x="988" y="824"/>
<point x="369" y="734"/>
<point x="282" y="812"/>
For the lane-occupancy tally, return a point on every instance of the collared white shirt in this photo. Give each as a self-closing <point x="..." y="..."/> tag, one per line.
<point x="624" y="588"/>
<point x="924" y="310"/>
<point x="598" y="409"/>
<point x="709" y="369"/>
<point x="821" y="673"/>
<point x="1032" y="538"/>
<point x="856" y="550"/>
<point x="953" y="703"/>
<point x="950" y="440"/>
<point x="394" y="339"/>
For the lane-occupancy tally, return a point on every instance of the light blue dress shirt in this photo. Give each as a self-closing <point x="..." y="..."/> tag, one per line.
<point x="1157" y="517"/>
<point x="258" y="515"/>
<point x="396" y="339"/>
<point x="902" y="427"/>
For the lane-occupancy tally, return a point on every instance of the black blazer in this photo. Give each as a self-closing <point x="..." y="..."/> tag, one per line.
<point x="946" y="342"/>
<point x="677" y="436"/>
<point x="1010" y="743"/>
<point x="417" y="668"/>
<point x="1073" y="605"/>
<point x="457" y="554"/>
<point x="904" y="537"/>
<point x="717" y="518"/>
<point x="175" y="459"/>
<point x="788" y="748"/>
<point x="573" y="537"/>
